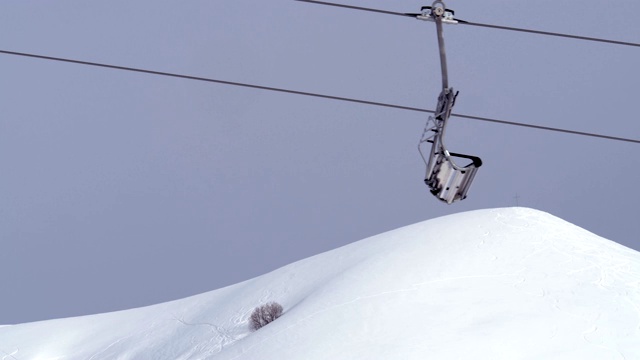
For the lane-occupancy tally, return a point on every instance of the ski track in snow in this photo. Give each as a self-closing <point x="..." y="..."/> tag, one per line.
<point x="147" y="330"/>
<point x="222" y="336"/>
<point x="10" y="355"/>
<point x="95" y="356"/>
<point x="593" y="330"/>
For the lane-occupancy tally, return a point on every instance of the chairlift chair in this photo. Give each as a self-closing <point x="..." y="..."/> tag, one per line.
<point x="447" y="180"/>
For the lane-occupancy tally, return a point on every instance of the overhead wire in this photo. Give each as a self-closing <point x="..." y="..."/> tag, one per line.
<point x="548" y="33"/>
<point x="470" y="23"/>
<point x="210" y="80"/>
<point x="305" y="93"/>
<point x="357" y="8"/>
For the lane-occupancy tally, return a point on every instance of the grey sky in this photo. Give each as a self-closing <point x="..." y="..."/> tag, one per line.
<point x="120" y="190"/>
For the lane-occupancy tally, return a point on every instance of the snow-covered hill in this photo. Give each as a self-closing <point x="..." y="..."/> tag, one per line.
<point x="492" y="284"/>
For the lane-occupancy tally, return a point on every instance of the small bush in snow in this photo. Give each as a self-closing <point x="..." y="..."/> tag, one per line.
<point x="262" y="315"/>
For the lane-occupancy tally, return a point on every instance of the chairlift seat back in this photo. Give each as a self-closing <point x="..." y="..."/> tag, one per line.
<point x="449" y="182"/>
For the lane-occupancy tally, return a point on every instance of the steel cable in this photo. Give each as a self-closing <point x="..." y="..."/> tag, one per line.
<point x="305" y="93"/>
<point x="470" y="23"/>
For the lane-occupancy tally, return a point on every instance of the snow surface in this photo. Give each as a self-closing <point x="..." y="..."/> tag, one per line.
<point x="510" y="283"/>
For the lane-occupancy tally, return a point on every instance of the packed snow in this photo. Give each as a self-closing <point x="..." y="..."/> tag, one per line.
<point x="510" y="283"/>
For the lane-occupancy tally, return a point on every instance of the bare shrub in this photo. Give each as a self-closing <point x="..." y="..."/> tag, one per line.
<point x="262" y="315"/>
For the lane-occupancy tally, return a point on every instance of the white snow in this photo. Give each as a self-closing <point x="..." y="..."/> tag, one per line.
<point x="508" y="283"/>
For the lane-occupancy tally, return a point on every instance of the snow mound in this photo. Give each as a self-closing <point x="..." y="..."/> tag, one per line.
<point x="508" y="283"/>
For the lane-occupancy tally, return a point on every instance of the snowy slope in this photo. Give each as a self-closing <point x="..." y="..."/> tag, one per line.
<point x="492" y="284"/>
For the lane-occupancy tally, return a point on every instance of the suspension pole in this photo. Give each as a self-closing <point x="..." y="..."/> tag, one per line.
<point x="438" y="12"/>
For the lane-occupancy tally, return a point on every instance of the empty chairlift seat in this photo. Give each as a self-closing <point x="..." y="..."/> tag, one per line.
<point x="448" y="181"/>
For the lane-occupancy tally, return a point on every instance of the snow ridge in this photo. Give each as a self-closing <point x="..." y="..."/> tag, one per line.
<point x="510" y="283"/>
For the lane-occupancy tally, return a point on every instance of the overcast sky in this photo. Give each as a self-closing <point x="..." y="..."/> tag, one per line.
<point x="120" y="190"/>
